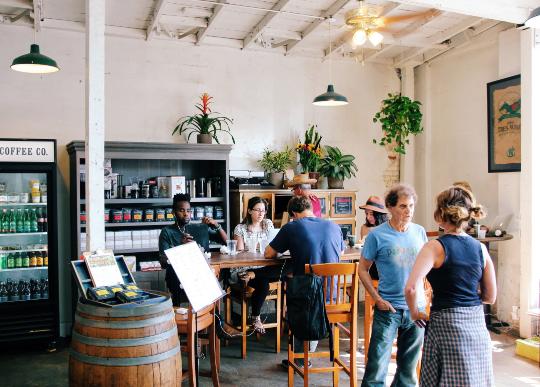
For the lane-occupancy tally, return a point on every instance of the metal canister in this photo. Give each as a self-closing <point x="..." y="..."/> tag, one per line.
<point x="126" y="214"/>
<point x="134" y="192"/>
<point x="198" y="213"/>
<point x="137" y="215"/>
<point x="218" y="212"/>
<point x="83" y="216"/>
<point x="116" y="216"/>
<point x="145" y="191"/>
<point x="154" y="191"/>
<point x="209" y="211"/>
<point x="169" y="214"/>
<point x="126" y="191"/>
<point x="149" y="215"/>
<point x="209" y="188"/>
<point x="160" y="215"/>
<point x="107" y="215"/>
<point x="192" y="190"/>
<point x="201" y="187"/>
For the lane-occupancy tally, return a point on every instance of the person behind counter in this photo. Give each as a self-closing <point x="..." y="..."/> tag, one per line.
<point x="457" y="348"/>
<point x="376" y="214"/>
<point x="301" y="186"/>
<point x="182" y="231"/>
<point x="254" y="225"/>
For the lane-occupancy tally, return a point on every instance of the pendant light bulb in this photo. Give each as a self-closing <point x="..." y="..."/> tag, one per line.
<point x="375" y="38"/>
<point x="359" y="37"/>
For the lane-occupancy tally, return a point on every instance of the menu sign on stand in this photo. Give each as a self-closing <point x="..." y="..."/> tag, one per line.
<point x="194" y="273"/>
<point x="103" y="269"/>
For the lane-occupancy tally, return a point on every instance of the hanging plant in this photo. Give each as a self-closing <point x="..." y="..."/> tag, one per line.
<point x="399" y="117"/>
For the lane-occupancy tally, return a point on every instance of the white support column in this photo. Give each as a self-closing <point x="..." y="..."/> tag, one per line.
<point x="530" y="176"/>
<point x="95" y="122"/>
<point x="406" y="174"/>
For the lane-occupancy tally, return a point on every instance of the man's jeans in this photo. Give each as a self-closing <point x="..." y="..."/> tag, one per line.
<point x="410" y="337"/>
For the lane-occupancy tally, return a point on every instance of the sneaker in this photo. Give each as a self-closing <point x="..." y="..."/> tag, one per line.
<point x="257" y="325"/>
<point x="299" y="363"/>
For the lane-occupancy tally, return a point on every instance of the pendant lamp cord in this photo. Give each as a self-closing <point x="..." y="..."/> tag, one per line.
<point x="330" y="49"/>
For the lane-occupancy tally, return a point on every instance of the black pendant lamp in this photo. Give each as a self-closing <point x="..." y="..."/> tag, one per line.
<point x="34" y="62"/>
<point x="533" y="21"/>
<point x="330" y="98"/>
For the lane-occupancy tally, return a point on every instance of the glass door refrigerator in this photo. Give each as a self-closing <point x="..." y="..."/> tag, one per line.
<point x="28" y="242"/>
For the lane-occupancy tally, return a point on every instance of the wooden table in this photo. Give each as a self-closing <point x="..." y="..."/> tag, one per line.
<point x="244" y="258"/>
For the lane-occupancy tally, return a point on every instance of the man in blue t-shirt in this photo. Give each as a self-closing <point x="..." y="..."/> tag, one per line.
<point x="309" y="240"/>
<point x="393" y="247"/>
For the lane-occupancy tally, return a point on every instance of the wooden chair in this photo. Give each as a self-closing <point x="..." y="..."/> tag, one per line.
<point x="369" y="308"/>
<point x="186" y="326"/>
<point x="241" y="294"/>
<point x="341" y="307"/>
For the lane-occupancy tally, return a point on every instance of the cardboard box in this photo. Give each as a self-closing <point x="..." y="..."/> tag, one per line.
<point x="176" y="185"/>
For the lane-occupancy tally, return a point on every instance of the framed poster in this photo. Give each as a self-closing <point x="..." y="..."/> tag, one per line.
<point x="504" y="124"/>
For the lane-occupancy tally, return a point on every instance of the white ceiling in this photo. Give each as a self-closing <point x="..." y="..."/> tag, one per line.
<point x="296" y="27"/>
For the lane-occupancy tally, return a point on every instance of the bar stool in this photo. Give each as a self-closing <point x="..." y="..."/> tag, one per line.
<point x="241" y="294"/>
<point x="186" y="326"/>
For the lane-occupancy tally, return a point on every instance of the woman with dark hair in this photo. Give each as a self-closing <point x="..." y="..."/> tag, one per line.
<point x="457" y="348"/>
<point x="376" y="214"/>
<point x="254" y="225"/>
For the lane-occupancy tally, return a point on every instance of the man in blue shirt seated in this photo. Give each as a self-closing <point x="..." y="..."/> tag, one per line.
<point x="309" y="240"/>
<point x="182" y="231"/>
<point x="393" y="247"/>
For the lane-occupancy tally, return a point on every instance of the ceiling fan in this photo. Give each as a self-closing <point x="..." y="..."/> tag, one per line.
<point x="367" y="21"/>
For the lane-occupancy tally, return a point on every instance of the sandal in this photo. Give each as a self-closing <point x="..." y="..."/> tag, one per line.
<point x="246" y="276"/>
<point x="257" y="325"/>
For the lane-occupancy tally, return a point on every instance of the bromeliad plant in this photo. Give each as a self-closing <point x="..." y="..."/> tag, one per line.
<point x="310" y="151"/>
<point x="205" y="122"/>
<point x="336" y="165"/>
<point x="399" y="117"/>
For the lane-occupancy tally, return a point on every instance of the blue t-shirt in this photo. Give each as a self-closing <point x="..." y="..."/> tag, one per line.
<point x="394" y="254"/>
<point x="310" y="240"/>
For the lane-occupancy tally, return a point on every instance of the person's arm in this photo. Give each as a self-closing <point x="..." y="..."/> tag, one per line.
<point x="363" y="273"/>
<point x="269" y="252"/>
<point x="364" y="230"/>
<point x="488" y="283"/>
<point x="239" y="242"/>
<point x="279" y="244"/>
<point x="164" y="244"/>
<point x="216" y="227"/>
<point x="432" y="254"/>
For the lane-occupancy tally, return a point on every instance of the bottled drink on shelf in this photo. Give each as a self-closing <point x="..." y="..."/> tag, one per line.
<point x="33" y="259"/>
<point x="45" y="258"/>
<point x="40" y="220"/>
<point x="26" y="221"/>
<point x="18" y="260"/>
<point x="11" y="261"/>
<point x="19" y="221"/>
<point x="33" y="221"/>
<point x="12" y="222"/>
<point x="39" y="259"/>
<point x="4" y="221"/>
<point x="25" y="259"/>
<point x="45" y="226"/>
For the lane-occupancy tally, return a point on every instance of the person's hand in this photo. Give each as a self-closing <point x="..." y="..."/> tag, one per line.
<point x="382" y="304"/>
<point x="419" y="318"/>
<point x="186" y="238"/>
<point x="209" y="221"/>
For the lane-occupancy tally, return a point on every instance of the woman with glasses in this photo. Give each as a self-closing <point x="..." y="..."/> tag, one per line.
<point x="255" y="225"/>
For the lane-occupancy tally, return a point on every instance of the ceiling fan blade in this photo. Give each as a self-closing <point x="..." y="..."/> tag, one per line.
<point x="409" y="16"/>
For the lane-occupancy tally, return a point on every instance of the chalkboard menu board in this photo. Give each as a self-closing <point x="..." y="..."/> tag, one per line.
<point x="343" y="205"/>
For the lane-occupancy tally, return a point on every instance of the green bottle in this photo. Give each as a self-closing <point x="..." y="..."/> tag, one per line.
<point x="4" y="221"/>
<point x="12" y="223"/>
<point x="19" y="221"/>
<point x="18" y="260"/>
<point x="25" y="259"/>
<point x="11" y="261"/>
<point x="33" y="221"/>
<point x="26" y="221"/>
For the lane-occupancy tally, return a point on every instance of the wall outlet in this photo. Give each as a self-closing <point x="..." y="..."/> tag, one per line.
<point x="515" y="312"/>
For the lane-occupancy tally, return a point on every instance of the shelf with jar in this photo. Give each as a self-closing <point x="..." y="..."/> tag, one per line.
<point x="158" y="201"/>
<point x="146" y="224"/>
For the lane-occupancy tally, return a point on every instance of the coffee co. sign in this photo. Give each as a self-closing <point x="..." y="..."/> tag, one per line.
<point x="31" y="151"/>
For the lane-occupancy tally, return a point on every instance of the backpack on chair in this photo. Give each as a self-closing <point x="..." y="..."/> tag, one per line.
<point x="306" y="310"/>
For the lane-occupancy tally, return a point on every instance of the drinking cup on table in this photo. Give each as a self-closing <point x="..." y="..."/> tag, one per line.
<point x="251" y="244"/>
<point x="477" y="229"/>
<point x="352" y="240"/>
<point x="231" y="247"/>
<point x="481" y="234"/>
<point x="262" y="245"/>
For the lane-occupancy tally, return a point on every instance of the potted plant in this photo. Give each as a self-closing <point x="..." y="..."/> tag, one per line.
<point x="310" y="153"/>
<point x="275" y="163"/>
<point x="400" y="117"/>
<point x="337" y="167"/>
<point x="206" y="124"/>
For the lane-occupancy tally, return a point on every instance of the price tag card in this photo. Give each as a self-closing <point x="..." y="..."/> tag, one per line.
<point x="197" y="278"/>
<point x="103" y="269"/>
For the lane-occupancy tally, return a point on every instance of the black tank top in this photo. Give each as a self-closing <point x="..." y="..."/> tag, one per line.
<point x="455" y="283"/>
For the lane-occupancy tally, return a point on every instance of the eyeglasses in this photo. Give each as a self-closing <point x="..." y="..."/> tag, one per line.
<point x="183" y="210"/>
<point x="259" y="211"/>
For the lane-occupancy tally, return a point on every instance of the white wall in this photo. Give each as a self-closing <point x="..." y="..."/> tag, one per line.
<point x="454" y="89"/>
<point x="149" y="85"/>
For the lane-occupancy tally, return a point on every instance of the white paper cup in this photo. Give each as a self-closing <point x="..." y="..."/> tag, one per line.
<point x="481" y="234"/>
<point x="231" y="247"/>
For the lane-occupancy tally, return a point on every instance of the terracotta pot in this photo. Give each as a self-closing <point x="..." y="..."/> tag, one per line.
<point x="314" y="175"/>
<point x="204" y="139"/>
<point x="335" y="183"/>
<point x="276" y="179"/>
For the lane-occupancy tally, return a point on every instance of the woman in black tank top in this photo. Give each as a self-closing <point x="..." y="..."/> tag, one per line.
<point x="457" y="346"/>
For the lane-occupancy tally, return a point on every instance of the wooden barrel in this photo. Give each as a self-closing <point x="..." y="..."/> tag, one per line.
<point x="125" y="346"/>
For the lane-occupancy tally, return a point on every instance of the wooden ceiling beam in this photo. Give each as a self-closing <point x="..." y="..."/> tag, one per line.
<point x="331" y="11"/>
<point x="38" y="14"/>
<point x="156" y="14"/>
<point x="486" y="9"/>
<point x="256" y="32"/>
<point x="17" y="4"/>
<point x="203" y="33"/>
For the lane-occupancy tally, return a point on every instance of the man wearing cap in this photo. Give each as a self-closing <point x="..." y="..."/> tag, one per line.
<point x="301" y="186"/>
<point x="393" y="246"/>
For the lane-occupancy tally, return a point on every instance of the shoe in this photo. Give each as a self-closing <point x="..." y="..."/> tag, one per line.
<point x="257" y="325"/>
<point x="226" y="331"/>
<point x="299" y="363"/>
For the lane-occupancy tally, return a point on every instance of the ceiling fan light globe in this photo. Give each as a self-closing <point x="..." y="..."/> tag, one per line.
<point x="375" y="38"/>
<point x="359" y="37"/>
